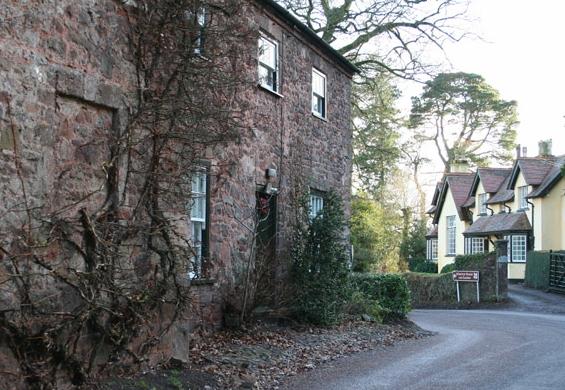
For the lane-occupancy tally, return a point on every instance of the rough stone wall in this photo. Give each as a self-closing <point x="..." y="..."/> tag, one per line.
<point x="66" y="85"/>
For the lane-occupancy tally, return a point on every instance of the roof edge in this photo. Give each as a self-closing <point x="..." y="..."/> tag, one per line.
<point x="295" y="22"/>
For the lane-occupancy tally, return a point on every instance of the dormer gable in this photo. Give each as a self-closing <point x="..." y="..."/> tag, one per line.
<point x="458" y="185"/>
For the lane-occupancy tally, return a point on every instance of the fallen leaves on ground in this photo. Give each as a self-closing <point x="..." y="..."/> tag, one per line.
<point x="262" y="355"/>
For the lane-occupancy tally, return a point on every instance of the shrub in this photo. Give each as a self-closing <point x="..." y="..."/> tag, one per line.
<point x="430" y="289"/>
<point x="448" y="268"/>
<point x="422" y="265"/>
<point x="470" y="261"/>
<point x="320" y="265"/>
<point x="389" y="291"/>
<point x="359" y="303"/>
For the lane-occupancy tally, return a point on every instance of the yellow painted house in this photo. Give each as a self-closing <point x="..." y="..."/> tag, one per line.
<point x="450" y="217"/>
<point x="524" y="205"/>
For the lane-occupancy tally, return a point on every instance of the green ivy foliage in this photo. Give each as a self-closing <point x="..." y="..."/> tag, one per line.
<point x="422" y="265"/>
<point x="466" y="262"/>
<point x="320" y="264"/>
<point x="448" y="268"/>
<point x="390" y="291"/>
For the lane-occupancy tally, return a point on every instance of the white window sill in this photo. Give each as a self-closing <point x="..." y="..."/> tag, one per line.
<point x="319" y="116"/>
<point x="265" y="88"/>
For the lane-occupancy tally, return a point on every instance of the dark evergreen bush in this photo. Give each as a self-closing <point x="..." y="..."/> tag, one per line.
<point x="448" y="268"/>
<point x="467" y="262"/>
<point x="390" y="291"/>
<point x="422" y="265"/>
<point x="320" y="264"/>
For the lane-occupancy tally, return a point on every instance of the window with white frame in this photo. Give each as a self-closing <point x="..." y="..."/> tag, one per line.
<point x="474" y="245"/>
<point x="316" y="205"/>
<point x="519" y="248"/>
<point x="482" y="206"/>
<point x="268" y="63"/>
<point x="318" y="93"/>
<point x="522" y="201"/>
<point x="198" y="220"/>
<point x="451" y="235"/>
<point x="432" y="249"/>
<point x="200" y="18"/>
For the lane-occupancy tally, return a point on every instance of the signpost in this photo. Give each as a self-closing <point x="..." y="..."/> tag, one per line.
<point x="466" y="276"/>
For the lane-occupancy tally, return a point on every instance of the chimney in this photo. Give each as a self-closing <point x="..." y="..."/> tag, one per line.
<point x="545" y="148"/>
<point x="524" y="151"/>
<point x="518" y="151"/>
<point x="459" y="166"/>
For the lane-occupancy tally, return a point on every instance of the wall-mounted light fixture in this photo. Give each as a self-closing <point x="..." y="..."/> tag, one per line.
<point x="271" y="173"/>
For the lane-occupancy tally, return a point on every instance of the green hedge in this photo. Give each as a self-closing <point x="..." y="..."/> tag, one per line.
<point x="434" y="290"/>
<point x="466" y="262"/>
<point x="430" y="289"/>
<point x="448" y="268"/>
<point x="422" y="265"/>
<point x="390" y="291"/>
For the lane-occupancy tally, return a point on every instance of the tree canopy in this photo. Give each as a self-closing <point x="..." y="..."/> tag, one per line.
<point x="375" y="134"/>
<point x="466" y="119"/>
<point x="382" y="35"/>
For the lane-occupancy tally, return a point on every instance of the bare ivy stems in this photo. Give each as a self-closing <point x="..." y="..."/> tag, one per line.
<point x="93" y="285"/>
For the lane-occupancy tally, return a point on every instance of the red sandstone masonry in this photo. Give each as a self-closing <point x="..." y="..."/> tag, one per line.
<point x="66" y="67"/>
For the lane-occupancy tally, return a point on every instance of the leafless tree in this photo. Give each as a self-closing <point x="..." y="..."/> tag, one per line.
<point x="91" y="280"/>
<point x="379" y="35"/>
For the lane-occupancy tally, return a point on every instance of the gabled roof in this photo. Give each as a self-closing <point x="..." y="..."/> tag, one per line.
<point x="293" y="21"/>
<point x="470" y="202"/>
<point x="459" y="185"/>
<point x="437" y="191"/>
<point x="499" y="224"/>
<point x="534" y="170"/>
<point x="503" y="194"/>
<point x="490" y="178"/>
<point x="551" y="179"/>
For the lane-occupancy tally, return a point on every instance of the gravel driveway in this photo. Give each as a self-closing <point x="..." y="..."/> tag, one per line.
<point x="522" y="347"/>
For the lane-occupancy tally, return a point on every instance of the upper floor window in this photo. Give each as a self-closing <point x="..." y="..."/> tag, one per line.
<point x="451" y="235"/>
<point x="198" y="220"/>
<point x="316" y="205"/>
<point x="269" y="63"/>
<point x="318" y="93"/>
<point x="482" y="206"/>
<point x="522" y="201"/>
<point x="200" y="18"/>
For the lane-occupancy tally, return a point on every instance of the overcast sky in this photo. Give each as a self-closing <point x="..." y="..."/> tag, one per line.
<point x="522" y="54"/>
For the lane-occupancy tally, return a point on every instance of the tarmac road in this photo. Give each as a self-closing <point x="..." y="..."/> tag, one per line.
<point x="473" y="349"/>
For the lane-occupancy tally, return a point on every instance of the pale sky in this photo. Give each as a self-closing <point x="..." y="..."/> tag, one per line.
<point x="522" y="54"/>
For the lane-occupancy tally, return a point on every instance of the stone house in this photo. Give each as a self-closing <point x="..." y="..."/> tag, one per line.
<point x="524" y="205"/>
<point x="67" y="77"/>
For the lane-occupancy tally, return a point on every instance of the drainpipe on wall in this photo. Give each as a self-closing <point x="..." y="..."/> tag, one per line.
<point x="507" y="207"/>
<point x="533" y="239"/>
<point x="491" y="210"/>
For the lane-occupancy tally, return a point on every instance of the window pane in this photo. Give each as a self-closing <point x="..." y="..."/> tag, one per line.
<point x="201" y="17"/>
<point x="198" y="197"/>
<point x="519" y="247"/>
<point x="318" y="84"/>
<point x="522" y="193"/>
<point x="267" y="53"/>
<point x="316" y="205"/>
<point x="451" y="235"/>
